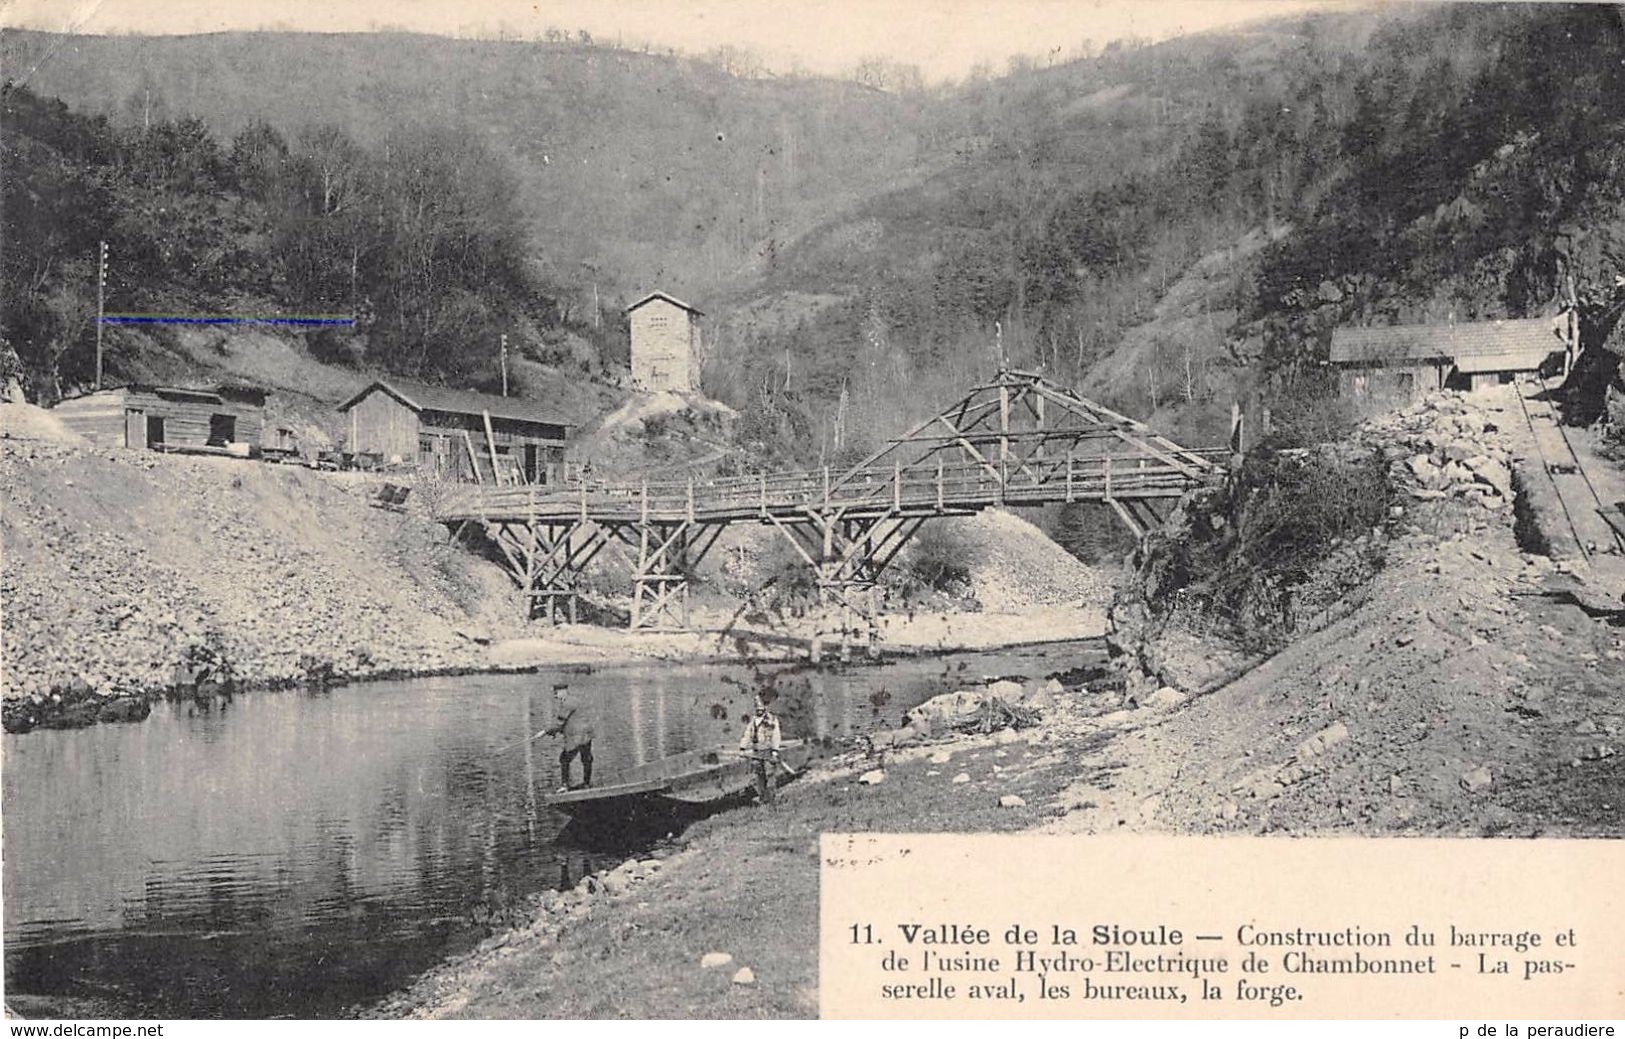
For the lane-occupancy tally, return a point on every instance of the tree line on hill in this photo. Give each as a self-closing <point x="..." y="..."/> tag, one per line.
<point x="420" y="238"/>
<point x="1458" y="160"/>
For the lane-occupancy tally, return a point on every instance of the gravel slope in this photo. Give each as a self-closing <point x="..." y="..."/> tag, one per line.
<point x="120" y="565"/>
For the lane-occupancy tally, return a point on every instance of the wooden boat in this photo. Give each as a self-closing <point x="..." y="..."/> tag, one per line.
<point x="690" y="780"/>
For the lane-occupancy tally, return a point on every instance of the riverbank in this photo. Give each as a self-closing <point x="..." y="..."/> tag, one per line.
<point x="130" y="576"/>
<point x="717" y="640"/>
<point x="633" y="942"/>
<point x="1498" y="716"/>
<point x="1466" y="694"/>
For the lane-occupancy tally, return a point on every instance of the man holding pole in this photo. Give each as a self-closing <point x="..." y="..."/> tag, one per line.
<point x="572" y="720"/>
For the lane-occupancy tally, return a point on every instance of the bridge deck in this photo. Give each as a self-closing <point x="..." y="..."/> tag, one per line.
<point x="921" y="490"/>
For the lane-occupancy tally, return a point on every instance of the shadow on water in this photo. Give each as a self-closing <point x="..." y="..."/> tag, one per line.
<point x="634" y="828"/>
<point x="298" y="853"/>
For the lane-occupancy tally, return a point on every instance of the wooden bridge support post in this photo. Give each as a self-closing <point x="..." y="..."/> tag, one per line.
<point x="563" y="551"/>
<point x="847" y="555"/>
<point x="667" y="552"/>
<point x="546" y="559"/>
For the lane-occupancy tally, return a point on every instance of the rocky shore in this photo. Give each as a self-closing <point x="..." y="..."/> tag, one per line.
<point x="131" y="575"/>
<point x="719" y="920"/>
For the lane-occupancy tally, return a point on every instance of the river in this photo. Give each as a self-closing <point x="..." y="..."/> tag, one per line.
<point x="294" y="853"/>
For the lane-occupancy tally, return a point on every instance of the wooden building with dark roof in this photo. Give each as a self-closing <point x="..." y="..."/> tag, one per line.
<point x="228" y="419"/>
<point x="459" y="434"/>
<point x="1405" y="361"/>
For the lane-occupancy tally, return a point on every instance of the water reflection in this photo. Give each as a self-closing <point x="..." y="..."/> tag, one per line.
<point x="301" y="852"/>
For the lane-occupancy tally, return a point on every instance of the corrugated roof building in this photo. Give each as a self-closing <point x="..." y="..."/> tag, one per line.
<point x="1407" y="360"/>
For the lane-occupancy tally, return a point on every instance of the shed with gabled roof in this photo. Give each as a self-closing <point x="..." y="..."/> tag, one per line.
<point x="461" y="434"/>
<point x="1405" y="360"/>
<point x="666" y="344"/>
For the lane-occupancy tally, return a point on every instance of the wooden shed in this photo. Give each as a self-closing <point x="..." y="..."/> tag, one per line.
<point x="226" y="419"/>
<point x="665" y="344"/>
<point x="456" y="433"/>
<point x="1403" y="361"/>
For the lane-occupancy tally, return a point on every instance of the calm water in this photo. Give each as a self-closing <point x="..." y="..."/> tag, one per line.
<point x="294" y="853"/>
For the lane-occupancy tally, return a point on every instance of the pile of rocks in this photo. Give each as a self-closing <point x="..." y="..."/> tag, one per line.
<point x="965" y="709"/>
<point x="1013" y="566"/>
<point x="1445" y="446"/>
<point x="553" y="908"/>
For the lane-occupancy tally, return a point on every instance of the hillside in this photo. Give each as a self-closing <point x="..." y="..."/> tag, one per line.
<point x="634" y="169"/>
<point x="1171" y="226"/>
<point x="123" y="566"/>
<point x="1333" y="169"/>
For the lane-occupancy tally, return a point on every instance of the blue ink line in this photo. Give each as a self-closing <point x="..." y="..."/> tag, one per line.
<point x="157" y="319"/>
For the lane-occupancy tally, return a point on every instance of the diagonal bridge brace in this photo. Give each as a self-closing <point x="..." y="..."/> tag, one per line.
<point x="848" y="550"/>
<point x="1028" y="439"/>
<point x="546" y="559"/>
<point x="666" y="553"/>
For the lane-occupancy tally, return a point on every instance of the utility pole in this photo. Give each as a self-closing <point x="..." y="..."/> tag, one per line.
<point x="504" y="364"/>
<point x="101" y="300"/>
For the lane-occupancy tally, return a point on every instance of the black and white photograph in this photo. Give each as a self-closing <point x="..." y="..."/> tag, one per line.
<point x="486" y="490"/>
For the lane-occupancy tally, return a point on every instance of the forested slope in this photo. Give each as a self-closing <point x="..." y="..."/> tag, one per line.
<point x="1172" y="226"/>
<point x="633" y="167"/>
<point x="1459" y="161"/>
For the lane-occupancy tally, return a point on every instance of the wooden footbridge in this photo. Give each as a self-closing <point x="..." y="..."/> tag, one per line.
<point x="1017" y="440"/>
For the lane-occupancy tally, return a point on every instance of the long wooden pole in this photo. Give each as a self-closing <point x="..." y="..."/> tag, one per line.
<point x="473" y="459"/>
<point x="491" y="443"/>
<point x="101" y="308"/>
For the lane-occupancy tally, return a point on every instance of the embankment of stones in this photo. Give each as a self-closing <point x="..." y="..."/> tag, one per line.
<point x="1450" y="468"/>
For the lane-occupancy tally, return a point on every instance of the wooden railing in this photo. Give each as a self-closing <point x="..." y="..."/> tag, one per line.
<point x="925" y="486"/>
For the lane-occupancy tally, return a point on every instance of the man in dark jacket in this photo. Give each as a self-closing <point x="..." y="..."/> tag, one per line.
<point x="572" y="720"/>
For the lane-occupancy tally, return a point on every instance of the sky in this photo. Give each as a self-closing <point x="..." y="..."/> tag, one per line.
<point x="944" y="38"/>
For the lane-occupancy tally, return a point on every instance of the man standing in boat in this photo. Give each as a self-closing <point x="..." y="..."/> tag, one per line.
<point x="762" y="741"/>
<point x="571" y="719"/>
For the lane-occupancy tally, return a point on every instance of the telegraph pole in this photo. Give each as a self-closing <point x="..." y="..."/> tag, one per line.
<point x="101" y="300"/>
<point x="504" y="364"/>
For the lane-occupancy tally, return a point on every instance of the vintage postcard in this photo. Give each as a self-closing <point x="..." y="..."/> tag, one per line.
<point x="925" y="509"/>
